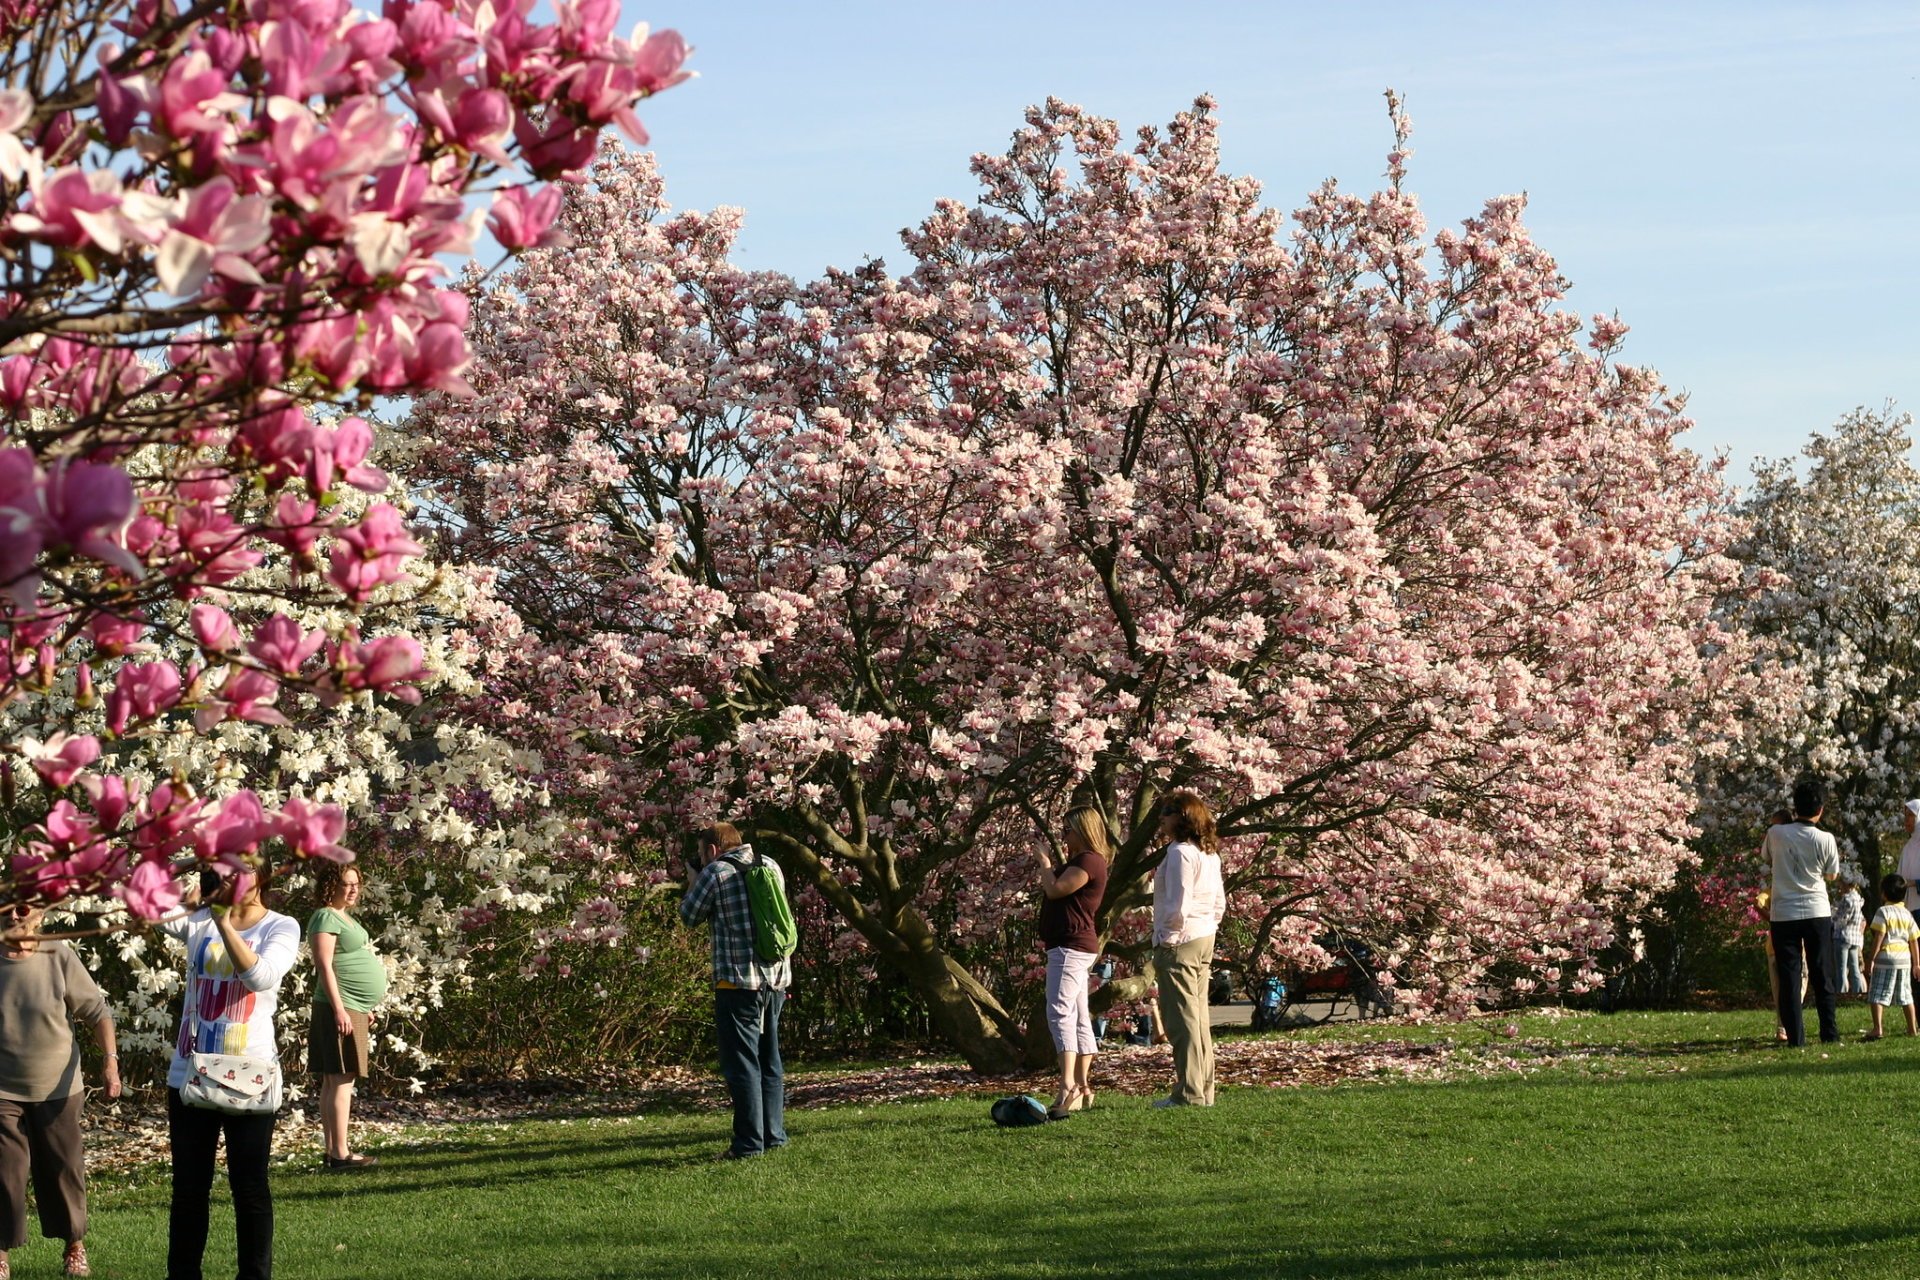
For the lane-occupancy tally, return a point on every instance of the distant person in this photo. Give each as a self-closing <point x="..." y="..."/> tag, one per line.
<point x="1804" y="861"/>
<point x="1845" y="975"/>
<point x="1909" y="865"/>
<point x="1762" y="903"/>
<point x="1070" y="900"/>
<point x="350" y="982"/>
<point x="1893" y="949"/>
<point x="44" y="990"/>
<point x="238" y="952"/>
<point x="748" y="991"/>
<point x="1189" y="901"/>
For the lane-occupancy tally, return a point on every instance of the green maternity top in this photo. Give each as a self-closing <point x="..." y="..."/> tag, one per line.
<point x="356" y="967"/>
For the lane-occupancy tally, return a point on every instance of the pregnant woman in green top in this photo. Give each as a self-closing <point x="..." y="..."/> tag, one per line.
<point x="352" y="981"/>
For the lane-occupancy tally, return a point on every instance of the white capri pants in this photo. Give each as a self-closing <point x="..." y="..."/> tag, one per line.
<point x="1067" y="1015"/>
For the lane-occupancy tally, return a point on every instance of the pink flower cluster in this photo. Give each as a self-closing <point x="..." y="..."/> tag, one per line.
<point x="226" y="228"/>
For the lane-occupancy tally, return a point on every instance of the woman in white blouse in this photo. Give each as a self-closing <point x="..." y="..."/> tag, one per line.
<point x="1189" y="901"/>
<point x="237" y="953"/>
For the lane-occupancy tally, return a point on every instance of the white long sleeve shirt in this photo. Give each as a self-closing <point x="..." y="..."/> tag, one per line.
<point x="228" y="1011"/>
<point x="1189" y="896"/>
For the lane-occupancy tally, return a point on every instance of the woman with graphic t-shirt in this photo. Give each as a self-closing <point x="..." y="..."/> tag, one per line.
<point x="237" y="953"/>
<point x="1072" y="894"/>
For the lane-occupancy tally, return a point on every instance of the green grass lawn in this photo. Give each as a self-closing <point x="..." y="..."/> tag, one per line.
<point x="1675" y="1145"/>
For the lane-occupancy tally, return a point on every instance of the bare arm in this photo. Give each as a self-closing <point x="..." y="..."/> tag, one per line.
<point x="1059" y="883"/>
<point x="110" y="1052"/>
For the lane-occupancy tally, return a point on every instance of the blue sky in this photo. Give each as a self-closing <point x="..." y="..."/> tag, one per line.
<point x="1741" y="182"/>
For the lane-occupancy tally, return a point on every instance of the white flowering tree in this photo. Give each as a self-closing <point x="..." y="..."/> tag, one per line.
<point x="1833" y="592"/>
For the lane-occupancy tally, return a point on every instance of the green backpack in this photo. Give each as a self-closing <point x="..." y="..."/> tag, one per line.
<point x="774" y="933"/>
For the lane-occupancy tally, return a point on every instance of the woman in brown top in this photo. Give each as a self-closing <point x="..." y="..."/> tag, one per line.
<point x="43" y="988"/>
<point x="1072" y="899"/>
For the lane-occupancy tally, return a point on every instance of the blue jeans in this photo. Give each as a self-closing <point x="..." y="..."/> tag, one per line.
<point x="1851" y="981"/>
<point x="748" y="1027"/>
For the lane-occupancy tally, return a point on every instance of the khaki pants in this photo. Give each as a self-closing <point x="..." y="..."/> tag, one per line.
<point x="1184" y="972"/>
<point x="43" y="1136"/>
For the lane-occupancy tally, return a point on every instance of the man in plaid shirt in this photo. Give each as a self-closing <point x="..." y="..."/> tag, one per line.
<point x="748" y="991"/>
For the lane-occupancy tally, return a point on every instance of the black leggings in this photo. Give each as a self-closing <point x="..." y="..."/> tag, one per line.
<point x="194" y="1133"/>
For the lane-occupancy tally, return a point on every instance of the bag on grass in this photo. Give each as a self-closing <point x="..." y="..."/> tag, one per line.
<point x="774" y="933"/>
<point x="1019" y="1111"/>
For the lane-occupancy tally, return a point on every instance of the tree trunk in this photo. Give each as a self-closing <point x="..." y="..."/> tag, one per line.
<point x="964" y="1012"/>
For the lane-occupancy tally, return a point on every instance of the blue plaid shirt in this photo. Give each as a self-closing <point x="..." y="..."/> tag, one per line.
<point x="719" y="894"/>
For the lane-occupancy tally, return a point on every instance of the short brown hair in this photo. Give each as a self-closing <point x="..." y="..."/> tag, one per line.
<point x="1193" y="821"/>
<point x="722" y="836"/>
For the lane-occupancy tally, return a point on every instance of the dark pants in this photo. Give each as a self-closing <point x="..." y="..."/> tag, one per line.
<point x="1799" y="946"/>
<point x="193" y="1133"/>
<point x="748" y="1026"/>
<point x="46" y="1137"/>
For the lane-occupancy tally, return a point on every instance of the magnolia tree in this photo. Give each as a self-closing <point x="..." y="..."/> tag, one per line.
<point x="221" y="220"/>
<point x="1833" y="561"/>
<point x="1128" y="484"/>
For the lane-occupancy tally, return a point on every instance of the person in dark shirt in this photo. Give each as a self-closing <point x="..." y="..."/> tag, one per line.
<point x="1072" y="893"/>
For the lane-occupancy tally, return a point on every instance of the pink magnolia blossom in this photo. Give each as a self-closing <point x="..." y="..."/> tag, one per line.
<point x="60" y="758"/>
<point x="111" y="797"/>
<point x="523" y="218"/>
<point x="372" y="553"/>
<point x="213" y="628"/>
<point x="150" y="892"/>
<point x="389" y="664"/>
<point x="16" y="109"/>
<point x="247" y="694"/>
<point x="313" y="831"/>
<point x="283" y="646"/>
<point x="213" y="235"/>
<point x="234" y="832"/>
<point x="142" y="691"/>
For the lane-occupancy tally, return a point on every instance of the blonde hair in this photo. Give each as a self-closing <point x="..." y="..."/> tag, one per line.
<point x="1089" y="825"/>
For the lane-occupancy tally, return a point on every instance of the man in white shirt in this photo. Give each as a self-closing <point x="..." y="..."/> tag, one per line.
<point x="1804" y="860"/>
<point x="1189" y="901"/>
<point x="1909" y="867"/>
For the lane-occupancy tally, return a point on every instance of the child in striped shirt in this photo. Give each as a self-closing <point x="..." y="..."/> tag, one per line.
<point x="1893" y="948"/>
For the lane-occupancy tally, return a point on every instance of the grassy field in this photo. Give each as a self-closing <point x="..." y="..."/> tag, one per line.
<point x="1636" y="1145"/>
